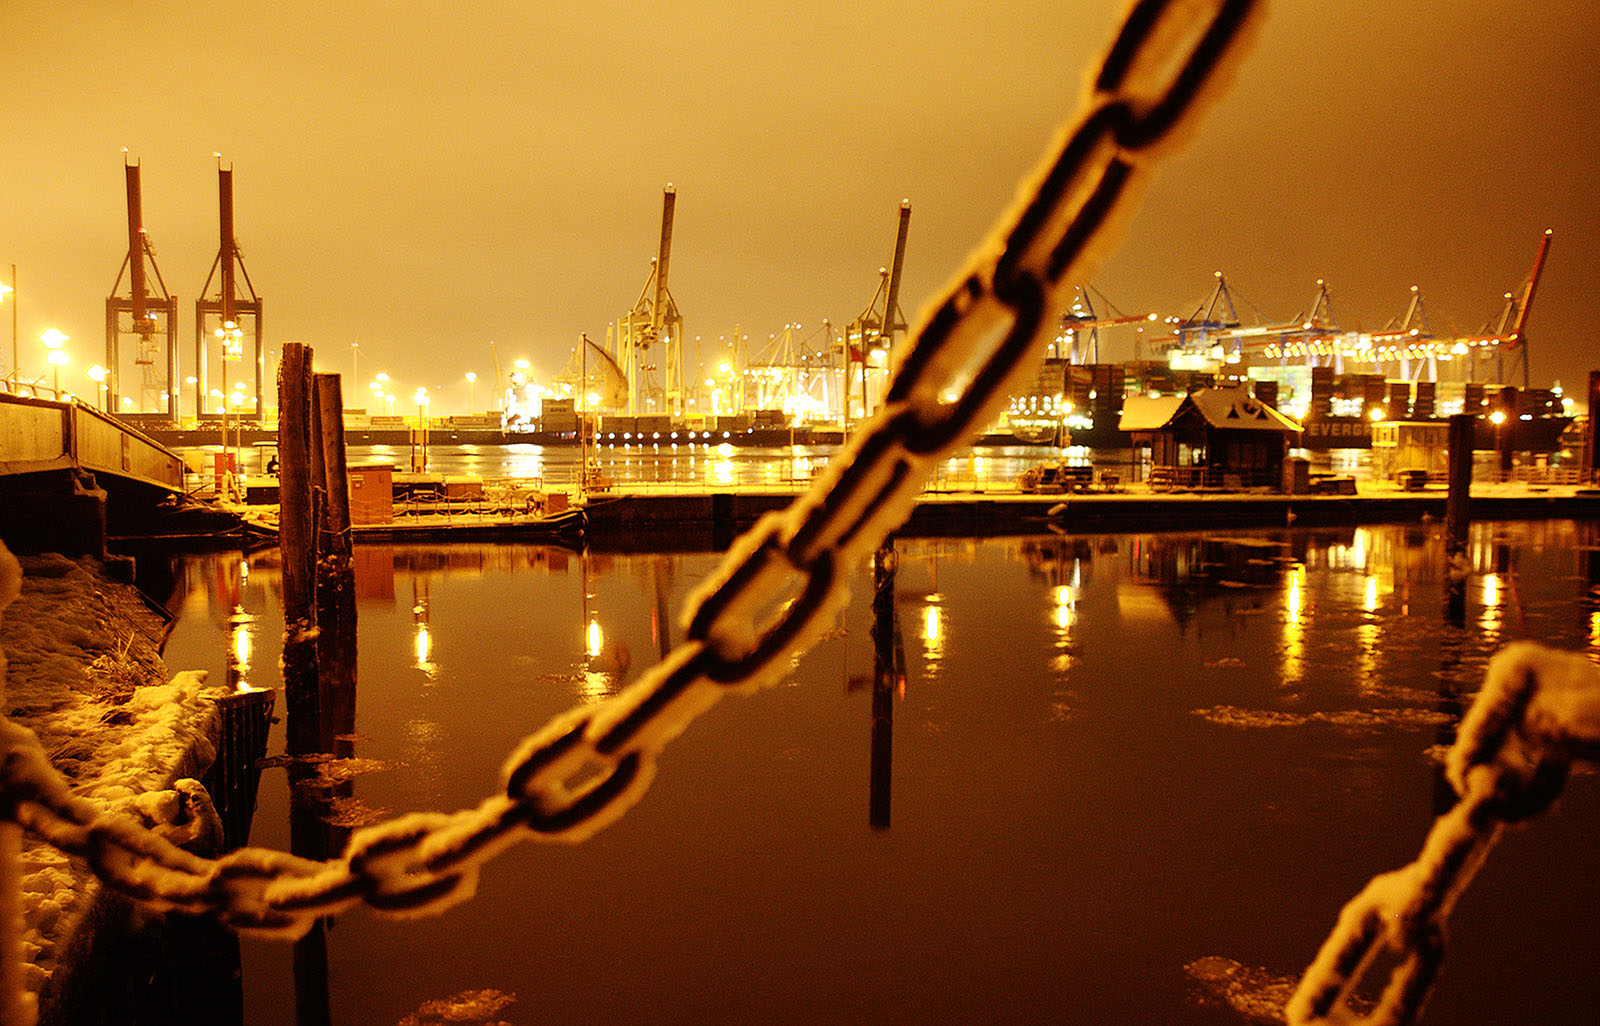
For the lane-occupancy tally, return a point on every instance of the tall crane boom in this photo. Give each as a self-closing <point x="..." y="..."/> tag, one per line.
<point x="669" y="203"/>
<point x="1533" y="283"/>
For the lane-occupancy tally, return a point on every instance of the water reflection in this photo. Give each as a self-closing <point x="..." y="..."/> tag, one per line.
<point x="888" y="682"/>
<point x="1055" y="800"/>
<point x="422" y="641"/>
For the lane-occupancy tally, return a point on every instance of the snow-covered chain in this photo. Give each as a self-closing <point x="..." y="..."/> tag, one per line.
<point x="976" y="342"/>
<point x="1538" y="711"/>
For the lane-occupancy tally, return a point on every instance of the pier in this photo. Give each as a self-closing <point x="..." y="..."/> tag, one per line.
<point x="66" y="471"/>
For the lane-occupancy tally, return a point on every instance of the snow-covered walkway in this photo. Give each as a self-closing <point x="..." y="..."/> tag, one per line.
<point x="80" y="666"/>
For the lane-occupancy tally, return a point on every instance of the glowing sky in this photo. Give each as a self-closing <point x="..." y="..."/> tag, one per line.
<point x="425" y="177"/>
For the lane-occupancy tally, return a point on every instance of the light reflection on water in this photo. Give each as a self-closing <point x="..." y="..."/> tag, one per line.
<point x="1112" y="756"/>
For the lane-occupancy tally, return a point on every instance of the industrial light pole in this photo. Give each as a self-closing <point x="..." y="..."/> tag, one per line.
<point x="16" y="359"/>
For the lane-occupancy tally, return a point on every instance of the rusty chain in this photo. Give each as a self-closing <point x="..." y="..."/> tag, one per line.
<point x="1538" y="711"/>
<point x="586" y="767"/>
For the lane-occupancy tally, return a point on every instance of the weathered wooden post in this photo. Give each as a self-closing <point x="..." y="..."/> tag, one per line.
<point x="297" y="540"/>
<point x="336" y="601"/>
<point x="1457" y="514"/>
<point x="1591" y="451"/>
<point x="332" y="673"/>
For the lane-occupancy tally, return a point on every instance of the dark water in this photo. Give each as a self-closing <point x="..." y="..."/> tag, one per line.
<point x="1112" y="757"/>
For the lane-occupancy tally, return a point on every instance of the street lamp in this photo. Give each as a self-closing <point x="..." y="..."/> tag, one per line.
<point x="16" y="359"/>
<point x="99" y="374"/>
<point x="232" y="341"/>
<point x="53" y="340"/>
<point x="421" y="397"/>
<point x="1498" y="418"/>
<point x="472" y="392"/>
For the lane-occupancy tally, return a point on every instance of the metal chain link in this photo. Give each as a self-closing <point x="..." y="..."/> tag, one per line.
<point x="1538" y="711"/>
<point x="586" y="767"/>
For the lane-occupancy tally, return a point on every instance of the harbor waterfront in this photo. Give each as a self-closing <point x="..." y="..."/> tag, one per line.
<point x="1134" y="776"/>
<point x="1028" y="659"/>
<point x="676" y="497"/>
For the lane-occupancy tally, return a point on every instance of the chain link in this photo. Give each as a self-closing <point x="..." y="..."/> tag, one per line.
<point x="585" y="768"/>
<point x="1538" y="711"/>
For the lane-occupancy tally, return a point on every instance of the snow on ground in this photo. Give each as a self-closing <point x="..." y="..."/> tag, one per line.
<point x="82" y="669"/>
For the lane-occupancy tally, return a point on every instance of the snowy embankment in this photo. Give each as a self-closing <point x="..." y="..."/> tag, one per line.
<point x="82" y="669"/>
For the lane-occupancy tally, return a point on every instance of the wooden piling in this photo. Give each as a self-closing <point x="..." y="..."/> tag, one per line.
<point x="1457" y="515"/>
<point x="330" y="417"/>
<point x="336" y="602"/>
<point x="297" y="542"/>
<point x="1457" y="512"/>
<point x="295" y="530"/>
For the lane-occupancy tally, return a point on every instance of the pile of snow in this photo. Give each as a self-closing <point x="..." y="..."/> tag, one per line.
<point x="80" y="666"/>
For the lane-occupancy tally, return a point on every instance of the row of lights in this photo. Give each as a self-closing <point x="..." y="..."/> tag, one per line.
<point x="672" y="436"/>
<point x="1378" y="354"/>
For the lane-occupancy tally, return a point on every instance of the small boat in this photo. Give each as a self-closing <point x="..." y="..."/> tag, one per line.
<point x="566" y="527"/>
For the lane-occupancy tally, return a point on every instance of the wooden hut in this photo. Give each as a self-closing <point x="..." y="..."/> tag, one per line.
<point x="1210" y="438"/>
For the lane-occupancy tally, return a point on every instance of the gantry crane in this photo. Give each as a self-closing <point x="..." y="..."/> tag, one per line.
<point x="869" y="339"/>
<point x="792" y="373"/>
<point x="1514" y="317"/>
<point x="650" y="336"/>
<point x="1078" y="340"/>
<point x="1407" y="344"/>
<point x="231" y="309"/>
<point x="150" y="312"/>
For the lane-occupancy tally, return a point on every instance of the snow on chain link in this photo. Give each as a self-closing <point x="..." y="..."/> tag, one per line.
<point x="1539" y="710"/>
<point x="976" y="342"/>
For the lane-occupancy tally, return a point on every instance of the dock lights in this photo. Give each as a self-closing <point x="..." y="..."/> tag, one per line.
<point x="53" y="340"/>
<point x="98" y="375"/>
<point x="232" y="340"/>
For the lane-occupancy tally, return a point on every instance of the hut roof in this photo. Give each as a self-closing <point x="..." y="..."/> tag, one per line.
<point x="1143" y="413"/>
<point x="1232" y="408"/>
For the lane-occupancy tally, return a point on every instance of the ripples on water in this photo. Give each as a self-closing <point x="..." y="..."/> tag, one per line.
<point x="1125" y="779"/>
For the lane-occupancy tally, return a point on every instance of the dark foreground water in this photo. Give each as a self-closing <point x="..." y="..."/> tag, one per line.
<point x="1133" y="778"/>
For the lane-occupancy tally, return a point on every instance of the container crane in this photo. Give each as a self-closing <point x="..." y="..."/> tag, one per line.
<point x="1514" y="317"/>
<point x="230" y="307"/>
<point x="151" y="312"/>
<point x="869" y="339"/>
<point x="1078" y="340"/>
<point x="653" y="321"/>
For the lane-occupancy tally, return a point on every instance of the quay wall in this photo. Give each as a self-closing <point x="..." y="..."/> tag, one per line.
<point x="691" y="521"/>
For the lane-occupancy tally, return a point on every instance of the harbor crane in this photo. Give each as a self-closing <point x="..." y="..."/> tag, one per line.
<point x="650" y="336"/>
<point x="230" y="308"/>
<point x="869" y="339"/>
<point x="150" y="311"/>
<point x="792" y="373"/>
<point x="1078" y="340"/>
<point x="1514" y="317"/>
<point x="1407" y="345"/>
